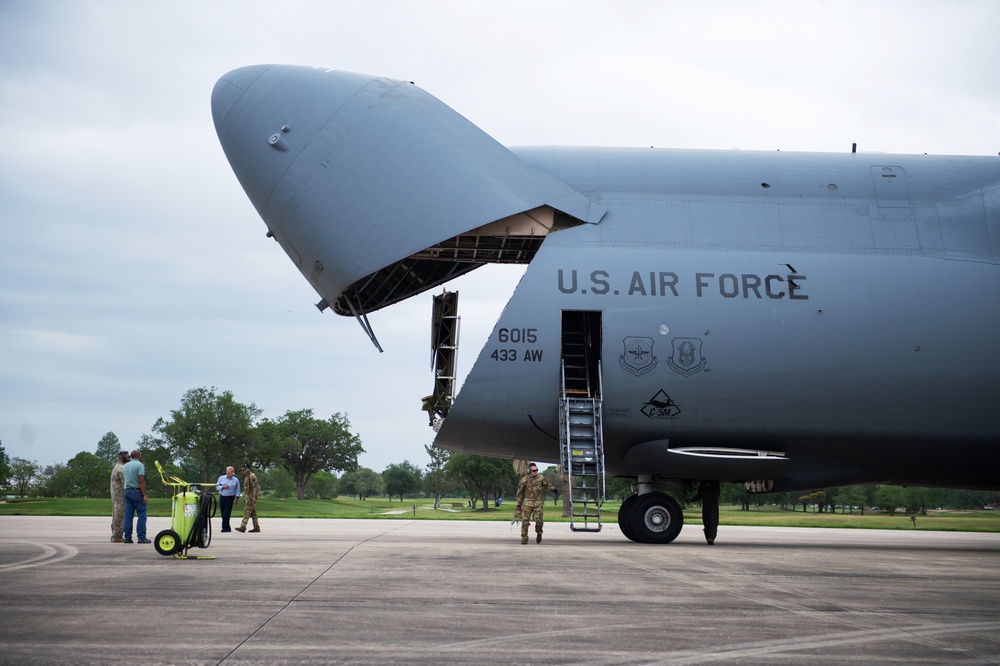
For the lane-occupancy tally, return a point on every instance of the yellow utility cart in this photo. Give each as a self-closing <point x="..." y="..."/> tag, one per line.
<point x="191" y="519"/>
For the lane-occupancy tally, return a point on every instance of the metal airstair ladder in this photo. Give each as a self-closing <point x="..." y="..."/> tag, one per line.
<point x="445" y="324"/>
<point x="581" y="440"/>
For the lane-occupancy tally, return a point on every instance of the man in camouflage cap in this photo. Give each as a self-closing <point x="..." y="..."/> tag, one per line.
<point x="530" y="500"/>
<point x="251" y="491"/>
<point x="118" y="498"/>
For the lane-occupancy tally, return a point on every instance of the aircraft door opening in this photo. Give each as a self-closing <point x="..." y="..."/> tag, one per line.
<point x="581" y="352"/>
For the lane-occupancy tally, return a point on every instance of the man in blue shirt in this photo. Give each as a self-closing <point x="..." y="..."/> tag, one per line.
<point x="135" y="497"/>
<point x="229" y="489"/>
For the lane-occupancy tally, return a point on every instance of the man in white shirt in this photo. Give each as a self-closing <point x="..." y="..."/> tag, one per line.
<point x="228" y="486"/>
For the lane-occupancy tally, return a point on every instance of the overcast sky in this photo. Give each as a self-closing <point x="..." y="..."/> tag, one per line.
<point x="133" y="268"/>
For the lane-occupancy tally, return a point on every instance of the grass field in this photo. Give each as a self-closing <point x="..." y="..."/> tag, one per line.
<point x="456" y="509"/>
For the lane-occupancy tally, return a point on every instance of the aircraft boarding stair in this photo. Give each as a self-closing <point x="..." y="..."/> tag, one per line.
<point x="581" y="442"/>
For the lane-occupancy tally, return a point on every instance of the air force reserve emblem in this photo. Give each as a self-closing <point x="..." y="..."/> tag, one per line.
<point x="638" y="357"/>
<point x="686" y="358"/>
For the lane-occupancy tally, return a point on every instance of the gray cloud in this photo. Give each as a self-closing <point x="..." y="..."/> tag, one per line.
<point x="132" y="267"/>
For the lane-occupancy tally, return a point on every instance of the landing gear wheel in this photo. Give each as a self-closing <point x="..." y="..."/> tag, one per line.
<point x="623" y="517"/>
<point x="655" y="518"/>
<point x="167" y="542"/>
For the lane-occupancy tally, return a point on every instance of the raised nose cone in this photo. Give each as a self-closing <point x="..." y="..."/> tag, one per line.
<point x="229" y="88"/>
<point x="265" y="115"/>
<point x="356" y="175"/>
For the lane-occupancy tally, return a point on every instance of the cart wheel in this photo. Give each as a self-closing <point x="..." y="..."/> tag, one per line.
<point x="167" y="542"/>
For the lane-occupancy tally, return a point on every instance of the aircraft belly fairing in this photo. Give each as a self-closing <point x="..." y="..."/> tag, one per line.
<point x="790" y="320"/>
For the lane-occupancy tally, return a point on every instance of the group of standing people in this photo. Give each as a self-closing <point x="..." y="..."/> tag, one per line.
<point x="128" y="498"/>
<point x="229" y="494"/>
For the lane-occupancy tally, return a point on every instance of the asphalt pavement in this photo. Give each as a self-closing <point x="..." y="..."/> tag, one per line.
<point x="396" y="590"/>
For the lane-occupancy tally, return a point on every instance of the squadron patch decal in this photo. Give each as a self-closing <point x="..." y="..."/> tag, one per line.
<point x="638" y="357"/>
<point x="686" y="358"/>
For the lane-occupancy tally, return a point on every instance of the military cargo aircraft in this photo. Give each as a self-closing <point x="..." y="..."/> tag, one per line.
<point x="786" y="320"/>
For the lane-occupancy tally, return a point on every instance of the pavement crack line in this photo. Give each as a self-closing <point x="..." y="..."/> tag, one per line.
<point x="308" y="585"/>
<point x="720" y="583"/>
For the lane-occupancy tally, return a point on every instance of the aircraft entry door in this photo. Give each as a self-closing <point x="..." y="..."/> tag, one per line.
<point x="581" y="352"/>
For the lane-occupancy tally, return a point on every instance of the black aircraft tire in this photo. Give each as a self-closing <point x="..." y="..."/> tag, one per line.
<point x="624" y="514"/>
<point x="655" y="518"/>
<point x="167" y="542"/>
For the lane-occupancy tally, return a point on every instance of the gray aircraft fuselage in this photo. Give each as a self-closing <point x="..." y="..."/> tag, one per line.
<point x="840" y="311"/>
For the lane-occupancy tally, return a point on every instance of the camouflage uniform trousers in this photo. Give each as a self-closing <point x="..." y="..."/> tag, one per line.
<point x="117" y="516"/>
<point x="250" y="513"/>
<point x="531" y="512"/>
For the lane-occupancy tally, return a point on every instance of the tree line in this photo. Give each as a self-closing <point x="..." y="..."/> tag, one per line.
<point x="300" y="455"/>
<point x="296" y="455"/>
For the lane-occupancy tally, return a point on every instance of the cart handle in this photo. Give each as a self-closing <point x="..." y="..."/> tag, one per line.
<point x="176" y="481"/>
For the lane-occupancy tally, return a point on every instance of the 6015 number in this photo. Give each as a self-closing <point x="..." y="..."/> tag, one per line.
<point x="518" y="335"/>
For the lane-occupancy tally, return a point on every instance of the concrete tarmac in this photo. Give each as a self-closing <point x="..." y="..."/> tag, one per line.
<point x="415" y="591"/>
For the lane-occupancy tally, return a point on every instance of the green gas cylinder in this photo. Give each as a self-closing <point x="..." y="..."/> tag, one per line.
<point x="185" y="511"/>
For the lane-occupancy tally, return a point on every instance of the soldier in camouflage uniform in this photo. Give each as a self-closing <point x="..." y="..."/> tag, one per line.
<point x="118" y="498"/>
<point x="530" y="501"/>
<point x="251" y="491"/>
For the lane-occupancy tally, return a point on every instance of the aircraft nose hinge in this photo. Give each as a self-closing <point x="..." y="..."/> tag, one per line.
<point x="277" y="141"/>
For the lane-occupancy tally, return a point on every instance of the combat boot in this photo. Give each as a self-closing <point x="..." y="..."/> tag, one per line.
<point x="241" y="529"/>
<point x="538" y="538"/>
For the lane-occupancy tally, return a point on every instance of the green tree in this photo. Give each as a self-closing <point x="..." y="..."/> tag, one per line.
<point x="818" y="498"/>
<point x="933" y="498"/>
<point x="307" y="445"/>
<point x="22" y="474"/>
<point x="964" y="498"/>
<point x="480" y="475"/>
<point x="88" y="475"/>
<point x="891" y="498"/>
<point x="276" y="482"/>
<point x="4" y="468"/>
<point x="323" y="485"/>
<point x="558" y="481"/>
<point x="155" y="450"/>
<point x="108" y="449"/>
<point x="729" y="493"/>
<point x="619" y="487"/>
<point x="853" y="496"/>
<point x="54" y="481"/>
<point x="401" y="479"/>
<point x="212" y="429"/>
<point x="362" y="482"/>
<point x="436" y="481"/>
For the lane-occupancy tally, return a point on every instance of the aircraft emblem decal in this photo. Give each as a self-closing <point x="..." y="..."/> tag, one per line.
<point x="638" y="357"/>
<point x="686" y="358"/>
<point x="661" y="406"/>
